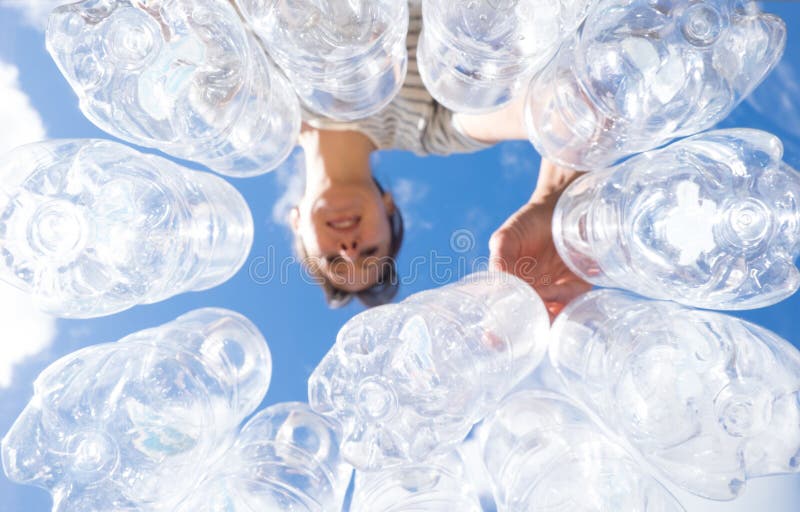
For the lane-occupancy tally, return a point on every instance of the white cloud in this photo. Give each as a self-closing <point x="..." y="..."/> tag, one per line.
<point x="406" y="194"/>
<point x="24" y="330"/>
<point x="478" y="220"/>
<point x="36" y="12"/>
<point x="778" y="98"/>
<point x="291" y="175"/>
<point x="518" y="157"/>
<point x="21" y="123"/>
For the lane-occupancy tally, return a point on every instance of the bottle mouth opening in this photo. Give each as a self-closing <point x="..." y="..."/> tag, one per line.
<point x="94" y="455"/>
<point x="131" y="39"/>
<point x="58" y="229"/>
<point x="376" y="400"/>
<point x="746" y="224"/>
<point x="744" y="408"/>
<point x="702" y="24"/>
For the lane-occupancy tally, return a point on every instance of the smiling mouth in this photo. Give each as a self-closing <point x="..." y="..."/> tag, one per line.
<point x="345" y="223"/>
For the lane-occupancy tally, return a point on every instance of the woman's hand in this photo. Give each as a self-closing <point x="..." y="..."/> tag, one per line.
<point x="524" y="246"/>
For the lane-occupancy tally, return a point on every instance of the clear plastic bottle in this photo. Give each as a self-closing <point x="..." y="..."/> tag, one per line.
<point x="181" y="76"/>
<point x="708" y="399"/>
<point x="545" y="454"/>
<point x="640" y="73"/>
<point x="347" y="59"/>
<point x="438" y="485"/>
<point x="93" y="227"/>
<point x="712" y="221"/>
<point x="133" y="425"/>
<point x="285" y="458"/>
<point x="475" y="56"/>
<point x="409" y="380"/>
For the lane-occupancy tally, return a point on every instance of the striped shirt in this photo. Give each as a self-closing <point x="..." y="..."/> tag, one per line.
<point x="413" y="121"/>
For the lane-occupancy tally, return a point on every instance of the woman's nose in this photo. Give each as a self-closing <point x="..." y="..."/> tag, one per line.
<point x="349" y="250"/>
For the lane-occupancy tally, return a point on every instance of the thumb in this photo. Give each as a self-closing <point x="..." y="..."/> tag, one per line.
<point x="503" y="250"/>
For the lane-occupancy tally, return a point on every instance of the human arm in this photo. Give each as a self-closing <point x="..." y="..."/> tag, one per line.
<point x="524" y="246"/>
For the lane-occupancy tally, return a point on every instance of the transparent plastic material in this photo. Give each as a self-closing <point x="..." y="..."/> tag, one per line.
<point x="708" y="399"/>
<point x="181" y="76"/>
<point x="409" y="380"/>
<point x="285" y="458"/>
<point x="712" y="221"/>
<point x="475" y="56"/>
<point x="133" y="425"/>
<point x="545" y="454"/>
<point x="347" y="59"/>
<point x="438" y="485"/>
<point x="640" y="73"/>
<point x="92" y="227"/>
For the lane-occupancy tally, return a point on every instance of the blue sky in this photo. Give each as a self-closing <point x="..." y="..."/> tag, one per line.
<point x="464" y="196"/>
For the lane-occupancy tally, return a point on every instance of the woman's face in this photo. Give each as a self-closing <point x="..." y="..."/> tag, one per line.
<point x="346" y="233"/>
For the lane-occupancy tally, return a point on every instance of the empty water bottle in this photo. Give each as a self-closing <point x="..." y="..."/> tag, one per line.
<point x="285" y="458"/>
<point x="181" y="76"/>
<point x="545" y="454"/>
<point x="408" y="381"/>
<point x="347" y="59"/>
<point x="93" y="227"/>
<point x="475" y="56"/>
<point x="438" y="485"/>
<point x="708" y="399"/>
<point x="712" y="221"/>
<point x="133" y="425"/>
<point x="640" y="73"/>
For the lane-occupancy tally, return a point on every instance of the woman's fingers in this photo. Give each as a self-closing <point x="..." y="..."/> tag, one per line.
<point x="562" y="293"/>
<point x="504" y="249"/>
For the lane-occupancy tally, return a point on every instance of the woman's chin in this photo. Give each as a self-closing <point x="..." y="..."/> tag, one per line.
<point x="333" y="206"/>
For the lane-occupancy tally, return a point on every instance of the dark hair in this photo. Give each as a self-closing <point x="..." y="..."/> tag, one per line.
<point x="388" y="284"/>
